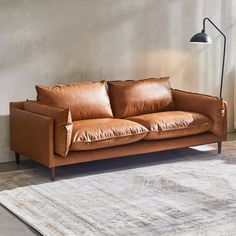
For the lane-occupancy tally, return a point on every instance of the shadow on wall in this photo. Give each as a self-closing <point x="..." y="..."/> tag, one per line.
<point x="170" y="62"/>
<point x="166" y="50"/>
<point x="111" y="44"/>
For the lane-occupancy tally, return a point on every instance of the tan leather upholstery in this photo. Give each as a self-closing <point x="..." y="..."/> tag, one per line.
<point x="88" y="100"/>
<point x="173" y="124"/>
<point x="32" y="135"/>
<point x="212" y="107"/>
<point x="62" y="124"/>
<point x="100" y="133"/>
<point x="19" y="105"/>
<point x="131" y="98"/>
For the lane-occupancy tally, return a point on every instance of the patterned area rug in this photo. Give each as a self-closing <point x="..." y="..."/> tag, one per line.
<point x="190" y="196"/>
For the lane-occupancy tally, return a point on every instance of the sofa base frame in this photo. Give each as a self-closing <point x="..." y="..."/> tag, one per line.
<point x="53" y="169"/>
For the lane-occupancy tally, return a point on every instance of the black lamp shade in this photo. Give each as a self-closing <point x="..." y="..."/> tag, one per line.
<point x="201" y="38"/>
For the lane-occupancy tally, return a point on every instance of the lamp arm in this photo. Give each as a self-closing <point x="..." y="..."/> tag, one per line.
<point x="223" y="60"/>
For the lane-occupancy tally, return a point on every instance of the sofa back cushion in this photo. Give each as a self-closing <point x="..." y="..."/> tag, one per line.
<point x="62" y="124"/>
<point x="137" y="97"/>
<point x="86" y="100"/>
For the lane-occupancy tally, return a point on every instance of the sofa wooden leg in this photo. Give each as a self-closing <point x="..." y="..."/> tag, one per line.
<point x="219" y="147"/>
<point x="17" y="156"/>
<point x="52" y="173"/>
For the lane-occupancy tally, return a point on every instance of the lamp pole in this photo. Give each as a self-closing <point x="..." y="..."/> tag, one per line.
<point x="224" y="49"/>
<point x="202" y="37"/>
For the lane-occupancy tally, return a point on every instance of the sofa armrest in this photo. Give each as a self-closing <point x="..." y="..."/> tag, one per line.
<point x="62" y="124"/>
<point x="32" y="135"/>
<point x="213" y="107"/>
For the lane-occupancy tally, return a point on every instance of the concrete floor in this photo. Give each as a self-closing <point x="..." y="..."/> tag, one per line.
<point x="10" y="225"/>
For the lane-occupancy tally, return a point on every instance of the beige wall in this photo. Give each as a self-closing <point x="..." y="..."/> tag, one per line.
<point x="57" y="41"/>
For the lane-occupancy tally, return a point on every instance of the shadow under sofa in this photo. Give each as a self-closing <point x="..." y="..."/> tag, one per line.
<point x="153" y="116"/>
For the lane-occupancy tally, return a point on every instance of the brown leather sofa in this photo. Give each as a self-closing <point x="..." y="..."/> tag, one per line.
<point x="87" y="121"/>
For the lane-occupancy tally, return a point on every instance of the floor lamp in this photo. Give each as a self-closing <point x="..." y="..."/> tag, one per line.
<point x="204" y="38"/>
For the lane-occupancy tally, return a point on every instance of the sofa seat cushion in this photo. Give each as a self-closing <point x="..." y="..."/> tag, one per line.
<point x="106" y="132"/>
<point x="173" y="124"/>
<point x="86" y="100"/>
